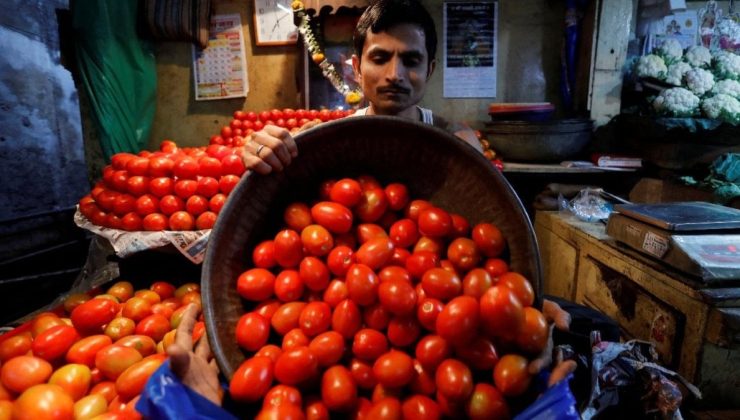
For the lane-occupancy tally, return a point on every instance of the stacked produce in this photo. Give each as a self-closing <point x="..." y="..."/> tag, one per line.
<point x="706" y="83"/>
<point x="94" y="355"/>
<point x="370" y="304"/>
<point x="182" y="189"/>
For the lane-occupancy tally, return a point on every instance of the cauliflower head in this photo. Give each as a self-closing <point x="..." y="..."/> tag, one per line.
<point x="698" y="56"/>
<point x="727" y="87"/>
<point x="677" y="102"/>
<point x="727" y="65"/>
<point x="722" y="107"/>
<point x="651" y="65"/>
<point x="671" y="50"/>
<point x="676" y="72"/>
<point x="699" y="81"/>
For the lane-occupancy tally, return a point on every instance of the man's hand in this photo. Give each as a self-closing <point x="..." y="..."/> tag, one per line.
<point x="196" y="369"/>
<point x="561" y="320"/>
<point x="270" y="149"/>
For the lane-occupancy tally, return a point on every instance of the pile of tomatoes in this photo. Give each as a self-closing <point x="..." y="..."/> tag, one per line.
<point x="245" y="123"/>
<point x="92" y="358"/>
<point x="374" y="305"/>
<point x="169" y="189"/>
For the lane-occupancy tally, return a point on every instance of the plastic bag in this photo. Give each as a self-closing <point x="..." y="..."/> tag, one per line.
<point x="587" y="205"/>
<point x="118" y="71"/>
<point x="165" y="397"/>
<point x="557" y="403"/>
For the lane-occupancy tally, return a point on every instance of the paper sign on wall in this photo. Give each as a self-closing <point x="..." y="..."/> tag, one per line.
<point x="220" y="70"/>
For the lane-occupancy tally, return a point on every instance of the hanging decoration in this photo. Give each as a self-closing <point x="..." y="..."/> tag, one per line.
<point x="303" y="22"/>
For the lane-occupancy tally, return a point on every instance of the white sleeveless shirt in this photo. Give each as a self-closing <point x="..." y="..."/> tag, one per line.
<point x="426" y="114"/>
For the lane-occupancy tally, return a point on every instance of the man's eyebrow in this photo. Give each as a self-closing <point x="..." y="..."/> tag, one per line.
<point x="409" y="53"/>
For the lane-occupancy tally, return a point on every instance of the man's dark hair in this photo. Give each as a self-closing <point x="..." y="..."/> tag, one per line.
<point x="384" y="14"/>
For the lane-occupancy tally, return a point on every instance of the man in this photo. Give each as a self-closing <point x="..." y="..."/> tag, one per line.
<point x="395" y="43"/>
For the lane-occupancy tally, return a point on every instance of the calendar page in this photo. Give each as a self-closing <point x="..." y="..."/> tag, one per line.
<point x="220" y="70"/>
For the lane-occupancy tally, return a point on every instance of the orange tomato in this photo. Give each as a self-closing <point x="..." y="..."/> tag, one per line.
<point x="43" y="401"/>
<point x="114" y="359"/>
<point x="23" y="372"/>
<point x="90" y="407"/>
<point x="16" y="345"/>
<point x="120" y="327"/>
<point x="131" y="382"/>
<point x="123" y="290"/>
<point x="73" y="378"/>
<point x="145" y="345"/>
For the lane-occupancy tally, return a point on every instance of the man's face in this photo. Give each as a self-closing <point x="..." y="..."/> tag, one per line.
<point x="394" y="69"/>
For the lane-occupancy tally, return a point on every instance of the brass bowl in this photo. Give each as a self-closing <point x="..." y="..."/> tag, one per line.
<point x="433" y="164"/>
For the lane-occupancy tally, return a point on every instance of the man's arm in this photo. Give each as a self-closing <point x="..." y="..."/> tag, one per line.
<point x="460" y="130"/>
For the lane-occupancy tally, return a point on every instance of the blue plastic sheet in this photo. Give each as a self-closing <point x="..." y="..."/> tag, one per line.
<point x="557" y="403"/>
<point x="165" y="398"/>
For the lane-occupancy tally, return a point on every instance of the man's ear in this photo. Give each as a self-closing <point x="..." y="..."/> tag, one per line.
<point x="431" y="67"/>
<point x="356" y="68"/>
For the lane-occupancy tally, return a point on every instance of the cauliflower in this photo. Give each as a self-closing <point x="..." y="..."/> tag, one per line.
<point x="722" y="107"/>
<point x="699" y="81"/>
<point x="698" y="56"/>
<point x="651" y="66"/>
<point x="727" y="65"/>
<point x="727" y="87"/>
<point x="676" y="72"/>
<point x="671" y="50"/>
<point x="678" y="102"/>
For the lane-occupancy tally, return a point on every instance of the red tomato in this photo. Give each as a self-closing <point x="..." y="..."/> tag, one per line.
<point x="314" y="273"/>
<point x="93" y="314"/>
<point x="398" y="196"/>
<point x="54" y="342"/>
<point x="346" y="319"/>
<point x="252" y="331"/>
<point x="394" y="369"/>
<point x="207" y="187"/>
<point x="186" y="168"/>
<point x="335" y="293"/>
<point x="427" y="312"/>
<point x="286" y="317"/>
<point x="432" y="350"/>
<point x="272" y="351"/>
<point x="479" y="354"/>
<point x="283" y="412"/>
<point x="476" y="282"/>
<point x="423" y="382"/>
<point x="362" y="373"/>
<point x="429" y="244"/>
<point x="519" y="285"/>
<point x="418" y="263"/>
<point x="252" y="379"/>
<point x="454" y="380"/>
<point x="397" y="297"/>
<point x="372" y="205"/>
<point x="296" y="366"/>
<point x="375" y="253"/>
<point x="232" y="164"/>
<point x="114" y="359"/>
<point x="501" y="313"/>
<point x="388" y="408"/>
<point x="338" y="389"/>
<point x="137" y="185"/>
<point x="120" y="160"/>
<point x="206" y="220"/>
<point x="125" y="203"/>
<point x="147" y="204"/>
<point x="170" y="204"/>
<point x="154" y="326"/>
<point x="315" y="318"/>
<point x="263" y="255"/>
<point x="227" y="183"/>
<point x="485" y="403"/>
<point x="16" y="345"/>
<point x="511" y="375"/>
<point x="154" y="222"/>
<point x="316" y="409"/>
<point x="22" y="372"/>
<point x="316" y="240"/>
<point x="463" y="254"/>
<point x="346" y="192"/>
<point x="297" y="216"/>
<point x="496" y="267"/>
<point x="458" y="321"/>
<point x="393" y="272"/>
<point x="185" y="188"/>
<point x="288" y="286"/>
<point x="282" y="395"/>
<point x="106" y="388"/>
<point x="328" y="347"/>
<point x="339" y="260"/>
<point x="131" y="381"/>
<point x="160" y="166"/>
<point x="163" y="289"/>
<point x="420" y="407"/>
<point x="376" y="317"/>
<point x="460" y="226"/>
<point x="489" y="239"/>
<point x="369" y="344"/>
<point x="131" y="222"/>
<point x="415" y="207"/>
<point x="256" y="284"/>
<point x="533" y="336"/>
<point x="138" y="166"/>
<point x="367" y="231"/>
<point x="43" y="401"/>
<point x="440" y="284"/>
<point x="403" y="331"/>
<point x="288" y="248"/>
<point x="404" y="233"/>
<point x="399" y="257"/>
<point x="73" y="378"/>
<point x="362" y="284"/>
<point x="210" y="167"/>
<point x="434" y="222"/>
<point x="333" y="216"/>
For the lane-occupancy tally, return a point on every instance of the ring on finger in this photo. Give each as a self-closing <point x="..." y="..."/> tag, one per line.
<point x="259" y="149"/>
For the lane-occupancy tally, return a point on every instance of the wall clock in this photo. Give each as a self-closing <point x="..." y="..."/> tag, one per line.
<point x="273" y="23"/>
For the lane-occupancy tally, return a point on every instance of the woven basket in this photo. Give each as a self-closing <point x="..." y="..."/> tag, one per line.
<point x="434" y="165"/>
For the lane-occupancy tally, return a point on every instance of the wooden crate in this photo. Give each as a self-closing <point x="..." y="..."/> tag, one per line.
<point x="694" y="329"/>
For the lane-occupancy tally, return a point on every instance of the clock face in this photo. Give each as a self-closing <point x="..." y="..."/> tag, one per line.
<point x="273" y="20"/>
